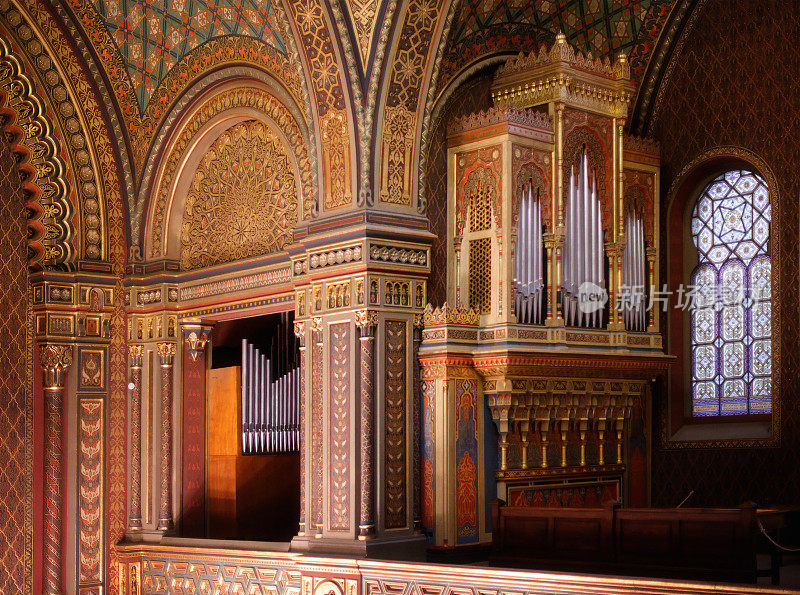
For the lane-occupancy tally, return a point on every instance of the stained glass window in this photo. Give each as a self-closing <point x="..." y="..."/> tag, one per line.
<point x="732" y="306"/>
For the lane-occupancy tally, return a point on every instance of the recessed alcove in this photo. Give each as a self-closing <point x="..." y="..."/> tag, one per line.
<point x="252" y="493"/>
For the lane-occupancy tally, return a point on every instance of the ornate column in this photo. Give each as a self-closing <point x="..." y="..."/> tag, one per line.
<point x="366" y="321"/>
<point x="135" y="505"/>
<point x="166" y="353"/>
<point x="55" y="360"/>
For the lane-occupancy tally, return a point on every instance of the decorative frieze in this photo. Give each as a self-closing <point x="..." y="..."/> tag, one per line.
<point x="398" y="254"/>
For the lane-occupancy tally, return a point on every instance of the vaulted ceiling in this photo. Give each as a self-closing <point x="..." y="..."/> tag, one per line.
<point x="602" y="27"/>
<point x="334" y="55"/>
<point x="153" y="36"/>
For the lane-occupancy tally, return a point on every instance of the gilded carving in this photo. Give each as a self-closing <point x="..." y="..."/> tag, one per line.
<point x="246" y="98"/>
<point x="336" y="159"/>
<point x="243" y="199"/>
<point x="166" y="351"/>
<point x="338" y="295"/>
<point x="366" y="318"/>
<point x="55" y="360"/>
<point x="396" y="156"/>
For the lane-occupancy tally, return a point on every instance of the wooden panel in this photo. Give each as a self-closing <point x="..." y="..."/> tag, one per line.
<point x="224" y="439"/>
<point x="709" y="543"/>
<point x="578" y="535"/>
<point x="268" y="490"/>
<point x="222" y="520"/>
<point x="650" y="537"/>
<point x="224" y="404"/>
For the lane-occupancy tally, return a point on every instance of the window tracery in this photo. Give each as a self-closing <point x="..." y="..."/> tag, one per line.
<point x="731" y="371"/>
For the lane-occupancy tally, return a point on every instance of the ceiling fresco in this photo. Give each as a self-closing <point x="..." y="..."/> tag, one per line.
<point x="152" y="36"/>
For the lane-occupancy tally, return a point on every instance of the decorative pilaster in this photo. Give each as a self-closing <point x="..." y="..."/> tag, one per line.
<point x="366" y="321"/>
<point x="317" y="411"/>
<point x="416" y="424"/>
<point x="166" y="353"/>
<point x="196" y="337"/>
<point x="55" y="360"/>
<point x="299" y="331"/>
<point x="135" y="504"/>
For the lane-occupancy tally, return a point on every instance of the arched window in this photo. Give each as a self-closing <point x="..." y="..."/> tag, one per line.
<point x="731" y="332"/>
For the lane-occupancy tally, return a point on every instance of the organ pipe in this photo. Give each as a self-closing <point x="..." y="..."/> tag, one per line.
<point x="633" y="274"/>
<point x="270" y="407"/>
<point x="528" y="261"/>
<point x="583" y="268"/>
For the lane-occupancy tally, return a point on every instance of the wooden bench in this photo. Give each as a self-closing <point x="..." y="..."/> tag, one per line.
<point x="700" y="543"/>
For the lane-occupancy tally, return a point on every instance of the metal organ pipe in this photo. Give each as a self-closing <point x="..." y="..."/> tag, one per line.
<point x="633" y="273"/>
<point x="270" y="408"/>
<point x="582" y="255"/>
<point x="528" y="262"/>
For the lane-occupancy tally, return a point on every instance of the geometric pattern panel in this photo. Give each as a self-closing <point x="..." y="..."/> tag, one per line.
<point x="15" y="407"/>
<point x="604" y="28"/>
<point x="242" y="201"/>
<point x="153" y="36"/>
<point x="234" y="575"/>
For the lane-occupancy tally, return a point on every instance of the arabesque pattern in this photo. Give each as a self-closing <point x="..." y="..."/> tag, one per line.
<point x="243" y="199"/>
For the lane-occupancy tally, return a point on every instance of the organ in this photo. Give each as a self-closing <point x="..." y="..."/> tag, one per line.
<point x="552" y="256"/>
<point x="270" y="408"/>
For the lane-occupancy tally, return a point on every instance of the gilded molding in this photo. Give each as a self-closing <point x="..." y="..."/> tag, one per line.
<point x="450" y="315"/>
<point x="509" y="114"/>
<point x="32" y="136"/>
<point x="562" y="75"/>
<point x="63" y="93"/>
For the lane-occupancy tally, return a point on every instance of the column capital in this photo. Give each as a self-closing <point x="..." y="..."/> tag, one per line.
<point x="366" y="321"/>
<point x="136" y="354"/>
<point x="55" y="359"/>
<point x="166" y="351"/>
<point x="316" y="324"/>
<point x="197" y="335"/>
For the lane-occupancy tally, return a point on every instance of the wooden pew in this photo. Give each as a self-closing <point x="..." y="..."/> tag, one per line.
<point x="700" y="543"/>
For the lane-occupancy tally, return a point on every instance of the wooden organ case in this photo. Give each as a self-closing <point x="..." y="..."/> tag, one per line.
<point x="536" y="373"/>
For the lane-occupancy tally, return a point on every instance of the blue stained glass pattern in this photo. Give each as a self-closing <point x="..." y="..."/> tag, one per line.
<point x="731" y="313"/>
